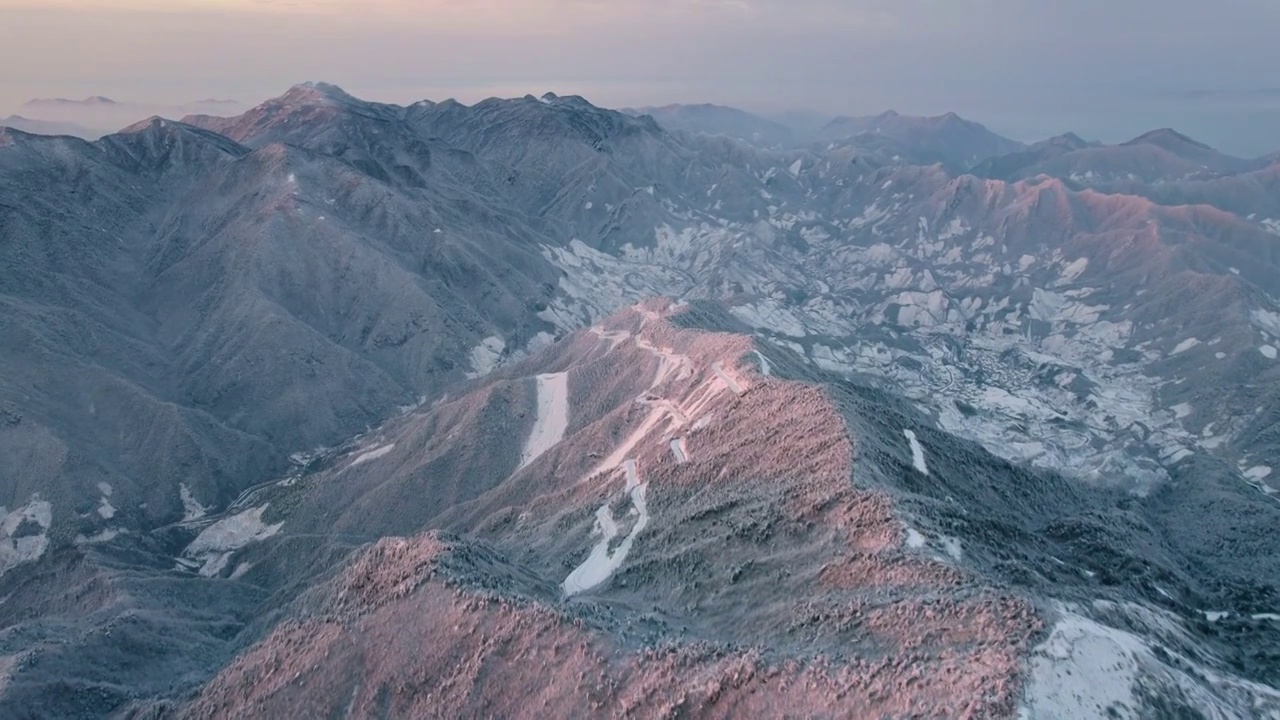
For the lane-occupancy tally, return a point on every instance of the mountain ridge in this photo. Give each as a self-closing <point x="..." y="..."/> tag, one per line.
<point x="345" y="321"/>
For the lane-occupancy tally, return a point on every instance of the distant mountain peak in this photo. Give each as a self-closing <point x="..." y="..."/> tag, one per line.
<point x="152" y="123"/>
<point x="576" y="101"/>
<point x="89" y="101"/>
<point x="1067" y="140"/>
<point x="948" y="138"/>
<point x="317" y="92"/>
<point x="712" y="119"/>
<point x="1165" y="136"/>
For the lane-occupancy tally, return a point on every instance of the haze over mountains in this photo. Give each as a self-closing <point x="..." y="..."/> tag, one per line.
<point x="674" y="410"/>
<point x="93" y="117"/>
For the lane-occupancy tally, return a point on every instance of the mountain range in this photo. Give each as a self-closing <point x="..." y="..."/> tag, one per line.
<point x="341" y="408"/>
<point x="94" y="117"/>
<point x="48" y="127"/>
<point x="720" y="120"/>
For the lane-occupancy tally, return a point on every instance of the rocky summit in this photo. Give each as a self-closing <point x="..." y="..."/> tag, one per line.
<point x="536" y="408"/>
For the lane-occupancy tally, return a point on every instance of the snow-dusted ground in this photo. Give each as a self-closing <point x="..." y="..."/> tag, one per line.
<point x="192" y="510"/>
<point x="98" y="538"/>
<point x="1011" y="347"/>
<point x="620" y="453"/>
<point x="765" y="368"/>
<point x="917" y="452"/>
<point x="214" y="545"/>
<point x="720" y="372"/>
<point x="485" y="356"/>
<point x="601" y="563"/>
<point x="1083" y="670"/>
<point x="553" y="416"/>
<point x="948" y="315"/>
<point x="679" y="451"/>
<point x="613" y="338"/>
<point x="373" y="454"/>
<point x="668" y="361"/>
<point x="1086" y="669"/>
<point x="105" y="510"/>
<point x="951" y="546"/>
<point x="29" y="546"/>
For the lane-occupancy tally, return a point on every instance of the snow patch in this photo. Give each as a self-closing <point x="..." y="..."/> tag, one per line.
<point x="191" y="509"/>
<point x="234" y="532"/>
<point x="1260" y="472"/>
<point x="679" y="451"/>
<point x="600" y="564"/>
<point x="914" y="539"/>
<point x="215" y="564"/>
<point x="30" y="546"/>
<point x="102" y="537"/>
<point x="1269" y="351"/>
<point x="372" y="455"/>
<point x="720" y="372"/>
<point x="105" y="510"/>
<point x="765" y="368"/>
<point x="485" y="356"/>
<point x="1081" y="671"/>
<point x="1075" y="269"/>
<point x="216" y="543"/>
<point x="553" y="416"/>
<point x="951" y="546"/>
<point x="1182" y="410"/>
<point x="1087" y="670"/>
<point x="795" y="168"/>
<point x="1185" y="345"/>
<point x="917" y="452"/>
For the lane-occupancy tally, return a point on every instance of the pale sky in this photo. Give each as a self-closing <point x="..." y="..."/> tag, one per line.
<point x="1105" y="68"/>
